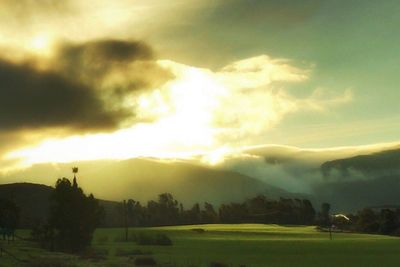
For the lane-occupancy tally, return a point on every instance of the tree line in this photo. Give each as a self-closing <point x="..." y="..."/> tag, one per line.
<point x="166" y="210"/>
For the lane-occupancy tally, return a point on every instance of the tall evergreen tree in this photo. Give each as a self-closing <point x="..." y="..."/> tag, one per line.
<point x="73" y="215"/>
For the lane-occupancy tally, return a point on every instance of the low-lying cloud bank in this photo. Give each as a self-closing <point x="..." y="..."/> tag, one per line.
<point x="300" y="170"/>
<point x="350" y="178"/>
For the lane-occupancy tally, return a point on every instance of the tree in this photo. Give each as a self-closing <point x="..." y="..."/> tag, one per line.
<point x="135" y="213"/>
<point x="257" y="208"/>
<point x="9" y="216"/>
<point x="367" y="221"/>
<point x="308" y="212"/>
<point x="389" y="222"/>
<point x="73" y="216"/>
<point x="194" y="214"/>
<point x="209" y="215"/>
<point x="233" y="213"/>
<point x="165" y="211"/>
<point x="324" y="215"/>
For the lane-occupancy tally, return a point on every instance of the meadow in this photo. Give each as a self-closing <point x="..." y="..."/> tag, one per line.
<point x="250" y="245"/>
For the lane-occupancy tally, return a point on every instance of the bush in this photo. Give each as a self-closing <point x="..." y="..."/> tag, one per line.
<point x="132" y="237"/>
<point x="51" y="262"/>
<point x="145" y="261"/>
<point x="102" y="239"/>
<point x="157" y="240"/>
<point x="129" y="253"/>
<point x="163" y="240"/>
<point x="198" y="230"/>
<point x="95" y="254"/>
<point x="218" y="264"/>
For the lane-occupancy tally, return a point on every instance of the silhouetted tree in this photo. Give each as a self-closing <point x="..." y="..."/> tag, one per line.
<point x="135" y="213"/>
<point x="389" y="222"/>
<point x="9" y="216"/>
<point x="324" y="215"/>
<point x="209" y="215"/>
<point x="368" y="221"/>
<point x="163" y="212"/>
<point x="308" y="212"/>
<point x="73" y="215"/>
<point x="233" y="213"/>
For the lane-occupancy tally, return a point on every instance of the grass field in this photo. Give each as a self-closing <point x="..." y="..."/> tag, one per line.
<point x="251" y="245"/>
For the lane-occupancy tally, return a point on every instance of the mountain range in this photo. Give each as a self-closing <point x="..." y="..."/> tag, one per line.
<point x="348" y="179"/>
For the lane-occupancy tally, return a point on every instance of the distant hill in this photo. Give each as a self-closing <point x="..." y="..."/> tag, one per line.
<point x="358" y="194"/>
<point x="33" y="203"/>
<point x="361" y="181"/>
<point x="377" y="164"/>
<point x="31" y="199"/>
<point x="350" y="183"/>
<point x="145" y="179"/>
<point x="349" y="178"/>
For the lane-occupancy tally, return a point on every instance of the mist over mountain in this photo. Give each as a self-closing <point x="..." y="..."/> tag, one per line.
<point x="376" y="164"/>
<point x="348" y="178"/>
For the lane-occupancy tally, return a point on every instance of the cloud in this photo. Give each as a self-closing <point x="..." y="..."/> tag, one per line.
<point x="82" y="86"/>
<point x="94" y="59"/>
<point x="321" y="99"/>
<point x="80" y="21"/>
<point x="237" y="103"/>
<point x="197" y="112"/>
<point x="299" y="169"/>
<point x="30" y="99"/>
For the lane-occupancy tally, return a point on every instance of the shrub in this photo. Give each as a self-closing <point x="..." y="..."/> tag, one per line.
<point x="122" y="238"/>
<point x="163" y="240"/>
<point x="102" y="239"/>
<point x="198" y="230"/>
<point x="218" y="264"/>
<point x="51" y="262"/>
<point x="157" y="240"/>
<point x="95" y="254"/>
<point x="128" y="253"/>
<point x="145" y="261"/>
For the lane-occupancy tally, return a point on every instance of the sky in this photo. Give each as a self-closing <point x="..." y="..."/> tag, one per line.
<point x="84" y="80"/>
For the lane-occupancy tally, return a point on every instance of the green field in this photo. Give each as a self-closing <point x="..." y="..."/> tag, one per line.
<point x="252" y="245"/>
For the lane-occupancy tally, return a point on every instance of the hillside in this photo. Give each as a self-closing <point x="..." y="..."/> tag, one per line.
<point x="359" y="194"/>
<point x="368" y="179"/>
<point x="31" y="199"/>
<point x="33" y="203"/>
<point x="381" y="163"/>
<point x="144" y="179"/>
<point x="360" y="181"/>
<point x="349" y="178"/>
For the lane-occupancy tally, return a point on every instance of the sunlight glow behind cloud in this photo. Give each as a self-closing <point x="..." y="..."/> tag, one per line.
<point x="199" y="112"/>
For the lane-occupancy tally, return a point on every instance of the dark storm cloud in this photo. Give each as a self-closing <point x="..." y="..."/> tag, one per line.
<point x="74" y="91"/>
<point x="30" y="98"/>
<point x="95" y="58"/>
